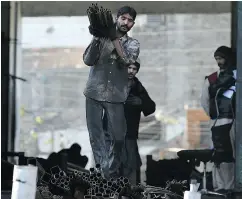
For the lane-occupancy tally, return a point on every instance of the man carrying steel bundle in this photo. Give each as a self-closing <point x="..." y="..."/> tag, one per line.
<point x="218" y="101"/>
<point x="110" y="52"/>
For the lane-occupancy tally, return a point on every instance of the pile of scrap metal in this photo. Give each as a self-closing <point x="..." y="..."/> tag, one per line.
<point x="78" y="184"/>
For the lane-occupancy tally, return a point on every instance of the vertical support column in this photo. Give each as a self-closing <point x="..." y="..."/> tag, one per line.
<point x="18" y="73"/>
<point x="14" y="66"/>
<point x="238" y="168"/>
<point x="234" y="23"/>
<point x="5" y="31"/>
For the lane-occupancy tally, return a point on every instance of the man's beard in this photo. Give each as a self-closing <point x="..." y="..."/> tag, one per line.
<point x="222" y="66"/>
<point x="123" y="29"/>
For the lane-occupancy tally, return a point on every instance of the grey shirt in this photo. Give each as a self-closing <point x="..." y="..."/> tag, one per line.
<point x="108" y="77"/>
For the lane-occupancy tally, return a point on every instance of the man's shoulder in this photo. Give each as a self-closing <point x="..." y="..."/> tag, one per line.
<point x="139" y="85"/>
<point x="133" y="41"/>
<point x="136" y="80"/>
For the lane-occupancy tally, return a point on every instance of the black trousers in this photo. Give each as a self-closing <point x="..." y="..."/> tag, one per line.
<point x="108" y="157"/>
<point x="223" y="150"/>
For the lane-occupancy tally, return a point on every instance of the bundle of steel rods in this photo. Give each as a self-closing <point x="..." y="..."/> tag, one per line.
<point x="60" y="179"/>
<point x="100" y="18"/>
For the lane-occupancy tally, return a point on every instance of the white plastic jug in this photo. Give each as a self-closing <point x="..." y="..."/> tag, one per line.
<point x="192" y="195"/>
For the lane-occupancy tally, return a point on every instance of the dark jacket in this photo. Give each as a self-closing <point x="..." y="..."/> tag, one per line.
<point x="133" y="112"/>
<point x="226" y="106"/>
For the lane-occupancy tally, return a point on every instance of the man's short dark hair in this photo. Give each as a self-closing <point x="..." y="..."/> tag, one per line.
<point x="137" y="66"/>
<point x="127" y="10"/>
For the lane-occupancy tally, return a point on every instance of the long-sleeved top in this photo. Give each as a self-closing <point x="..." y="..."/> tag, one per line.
<point x="108" y="77"/>
<point x="133" y="112"/>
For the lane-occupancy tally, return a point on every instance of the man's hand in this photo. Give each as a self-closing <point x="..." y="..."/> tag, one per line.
<point x="112" y="33"/>
<point x="103" y="33"/>
<point x="96" y="32"/>
<point x="133" y="100"/>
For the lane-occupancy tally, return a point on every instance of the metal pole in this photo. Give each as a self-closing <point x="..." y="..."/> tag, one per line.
<point x="238" y="134"/>
<point x="5" y="34"/>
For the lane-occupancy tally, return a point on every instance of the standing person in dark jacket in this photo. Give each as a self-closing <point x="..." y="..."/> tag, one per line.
<point x="219" y="103"/>
<point x="107" y="87"/>
<point x="138" y="101"/>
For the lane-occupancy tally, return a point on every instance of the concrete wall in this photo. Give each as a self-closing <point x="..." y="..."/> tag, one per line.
<point x="176" y="54"/>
